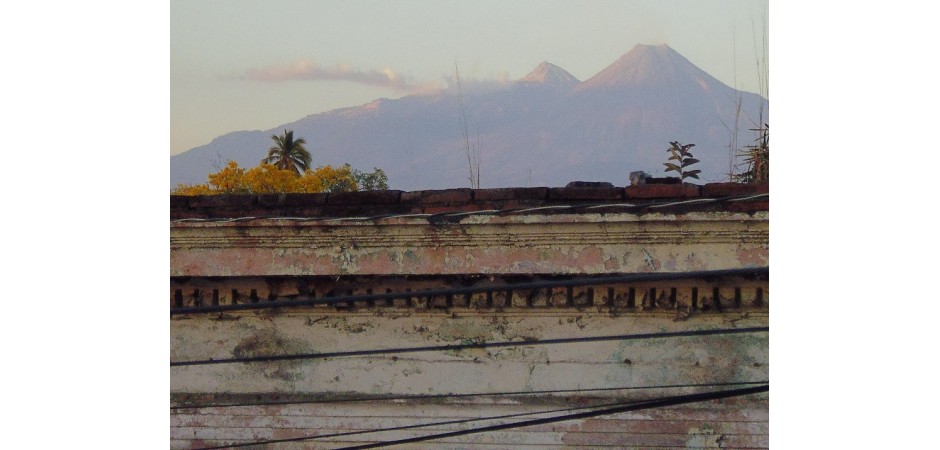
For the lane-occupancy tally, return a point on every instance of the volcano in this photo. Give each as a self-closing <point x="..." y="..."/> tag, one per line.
<point x="545" y="129"/>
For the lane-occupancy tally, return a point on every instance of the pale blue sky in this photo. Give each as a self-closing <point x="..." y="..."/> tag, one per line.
<point x="225" y="53"/>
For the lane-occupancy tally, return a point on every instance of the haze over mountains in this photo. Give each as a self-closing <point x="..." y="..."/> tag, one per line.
<point x="545" y="129"/>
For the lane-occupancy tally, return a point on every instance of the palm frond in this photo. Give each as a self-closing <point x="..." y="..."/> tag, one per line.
<point x="288" y="153"/>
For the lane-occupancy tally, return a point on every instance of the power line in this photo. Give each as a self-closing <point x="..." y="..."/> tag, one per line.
<point x="572" y="282"/>
<point x="406" y="427"/>
<point x="476" y="345"/>
<point x="614" y="408"/>
<point x="443" y="217"/>
<point x="668" y="401"/>
<point x="454" y="396"/>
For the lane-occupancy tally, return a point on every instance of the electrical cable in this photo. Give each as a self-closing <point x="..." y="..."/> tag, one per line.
<point x="664" y="402"/>
<point x="610" y="408"/>
<point x="663" y="205"/>
<point x="472" y="345"/>
<point x="406" y="427"/>
<point x="744" y="199"/>
<point x="572" y="282"/>
<point x="455" y="396"/>
<point x="536" y="208"/>
<point x="474" y="213"/>
<point x="487" y="212"/>
<point x="610" y="205"/>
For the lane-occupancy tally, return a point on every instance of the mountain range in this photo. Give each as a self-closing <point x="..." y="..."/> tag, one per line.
<point x="545" y="129"/>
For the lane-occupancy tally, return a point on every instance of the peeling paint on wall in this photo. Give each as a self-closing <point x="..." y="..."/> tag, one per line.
<point x="239" y="262"/>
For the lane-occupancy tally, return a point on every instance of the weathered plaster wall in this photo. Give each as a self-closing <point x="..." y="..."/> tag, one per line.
<point x="264" y="258"/>
<point x="554" y="244"/>
<point x="731" y="423"/>
<point x="740" y="423"/>
<point x="678" y="360"/>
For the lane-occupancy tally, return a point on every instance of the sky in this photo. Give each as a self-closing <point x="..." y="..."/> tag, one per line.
<point x="251" y="65"/>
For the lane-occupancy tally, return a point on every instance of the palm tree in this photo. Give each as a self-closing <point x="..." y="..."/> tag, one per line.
<point x="288" y="154"/>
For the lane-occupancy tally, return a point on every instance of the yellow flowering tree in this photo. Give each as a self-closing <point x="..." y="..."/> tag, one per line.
<point x="193" y="189"/>
<point x="229" y="180"/>
<point x="269" y="179"/>
<point x="327" y="179"/>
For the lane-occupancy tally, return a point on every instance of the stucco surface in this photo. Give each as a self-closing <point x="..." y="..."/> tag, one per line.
<point x="224" y="262"/>
<point x="569" y="243"/>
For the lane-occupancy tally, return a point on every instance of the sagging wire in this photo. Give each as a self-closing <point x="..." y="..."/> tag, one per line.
<point x="482" y="212"/>
<point x="594" y="411"/>
<point x="660" y="403"/>
<point x="687" y="202"/>
<point x="393" y="398"/>
<point x="537" y="208"/>
<point x="611" y="205"/>
<point x="220" y="220"/>
<point x="407" y="427"/>
<point x="472" y="345"/>
<point x="743" y="199"/>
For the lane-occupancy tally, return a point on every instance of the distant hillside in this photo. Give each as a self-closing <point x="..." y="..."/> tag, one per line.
<point x="545" y="129"/>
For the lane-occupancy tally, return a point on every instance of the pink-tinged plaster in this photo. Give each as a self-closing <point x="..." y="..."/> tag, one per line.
<point x="610" y="264"/>
<point x="673" y="244"/>
<point x="753" y="256"/>
<point x="456" y="260"/>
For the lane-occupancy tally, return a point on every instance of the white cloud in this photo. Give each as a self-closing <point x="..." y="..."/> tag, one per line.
<point x="310" y="71"/>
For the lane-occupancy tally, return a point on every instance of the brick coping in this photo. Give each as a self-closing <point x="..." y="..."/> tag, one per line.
<point x="457" y="200"/>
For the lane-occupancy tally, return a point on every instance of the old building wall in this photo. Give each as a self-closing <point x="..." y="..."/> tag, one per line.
<point x="567" y="373"/>
<point x="542" y="283"/>
<point x="731" y="424"/>
<point x="674" y="360"/>
<point x="587" y="243"/>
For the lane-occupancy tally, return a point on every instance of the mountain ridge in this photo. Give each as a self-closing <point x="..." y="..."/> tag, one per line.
<point x="546" y="128"/>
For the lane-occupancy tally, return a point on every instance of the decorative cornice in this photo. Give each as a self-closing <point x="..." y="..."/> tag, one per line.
<point x="276" y="238"/>
<point x="566" y="243"/>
